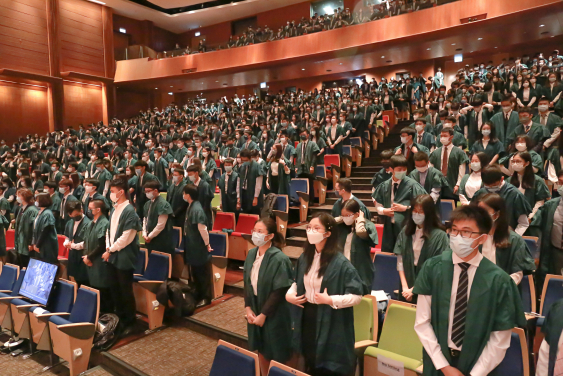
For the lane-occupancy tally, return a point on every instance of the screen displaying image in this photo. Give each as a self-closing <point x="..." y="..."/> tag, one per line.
<point x="38" y="281"/>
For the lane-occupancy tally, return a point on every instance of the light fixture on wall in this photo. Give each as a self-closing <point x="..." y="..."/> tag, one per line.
<point x="171" y="93"/>
<point x="97" y="2"/>
<point x="197" y="33"/>
<point x="458" y="58"/>
<point x="122" y="30"/>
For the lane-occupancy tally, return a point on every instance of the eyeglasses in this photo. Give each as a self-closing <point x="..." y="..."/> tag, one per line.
<point x="314" y="230"/>
<point x="464" y="233"/>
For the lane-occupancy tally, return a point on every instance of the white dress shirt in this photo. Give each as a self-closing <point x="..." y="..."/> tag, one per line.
<point x="494" y="350"/>
<point x="490" y="252"/>
<point x="417" y="244"/>
<point x="313" y="282"/>
<point x="472" y="185"/>
<point x="126" y="238"/>
<point x="543" y="357"/>
<point x="256" y="271"/>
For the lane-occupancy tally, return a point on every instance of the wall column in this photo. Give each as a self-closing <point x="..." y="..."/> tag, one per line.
<point x="56" y="91"/>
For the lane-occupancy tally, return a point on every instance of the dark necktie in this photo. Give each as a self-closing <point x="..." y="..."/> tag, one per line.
<point x="419" y="139"/>
<point x="505" y="121"/>
<point x="303" y="153"/>
<point x="460" y="310"/>
<point x="395" y="188"/>
<point x="445" y="162"/>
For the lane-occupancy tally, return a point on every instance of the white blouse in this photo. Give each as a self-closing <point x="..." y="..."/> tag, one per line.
<point x="490" y="252"/>
<point x="473" y="184"/>
<point x="256" y="271"/>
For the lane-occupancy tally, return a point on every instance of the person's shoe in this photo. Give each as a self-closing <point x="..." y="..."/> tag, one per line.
<point x="127" y="331"/>
<point x="203" y="303"/>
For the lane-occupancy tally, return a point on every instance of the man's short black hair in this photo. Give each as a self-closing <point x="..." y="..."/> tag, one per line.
<point x="491" y="174"/>
<point x="420" y="156"/>
<point x="191" y="190"/>
<point x="398" y="161"/>
<point x="409" y="131"/>
<point x="345" y="183"/>
<point x="476" y="213"/>
<point x="153" y="184"/>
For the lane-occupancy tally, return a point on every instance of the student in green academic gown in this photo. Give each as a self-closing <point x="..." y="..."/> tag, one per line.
<point x="268" y="275"/>
<point x="507" y="120"/>
<point x="228" y="187"/>
<point x="55" y="175"/>
<point x="467" y="306"/>
<point x="326" y="288"/>
<point x="250" y="196"/>
<point x="278" y="171"/>
<point x="209" y="165"/>
<point x="74" y="242"/>
<point x="334" y="136"/>
<point x="143" y="176"/>
<point x="196" y="246"/>
<point x="104" y="177"/>
<point x="422" y="238"/>
<point x="157" y="221"/>
<point x="518" y="208"/>
<point x="386" y="171"/>
<point x="5" y="207"/>
<point x="488" y="143"/>
<point x="343" y="190"/>
<point x="306" y="160"/>
<point x="504" y="247"/>
<point x="429" y="177"/>
<point x="537" y="132"/>
<point x="550" y="361"/>
<point x="52" y="188"/>
<point x="205" y="195"/>
<point x="522" y="143"/>
<point x="160" y="170"/>
<point x="44" y="244"/>
<point x="392" y="200"/>
<point x="175" y="197"/>
<point x="356" y="237"/>
<point x="65" y="189"/>
<point x="91" y="193"/>
<point x="122" y="249"/>
<point x="409" y="147"/>
<point x="452" y="165"/>
<point x="24" y="225"/>
<point x="472" y="182"/>
<point x="94" y="248"/>
<point x="37" y="183"/>
<point x="547" y="119"/>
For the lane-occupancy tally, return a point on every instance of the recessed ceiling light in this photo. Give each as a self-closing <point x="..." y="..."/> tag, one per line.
<point x="383" y="57"/>
<point x="453" y="44"/>
<point x="428" y="49"/>
<point x="216" y="81"/>
<point x="479" y="38"/>
<point x="340" y="63"/>
<point x="171" y="93"/>
<point x="302" y="68"/>
<point x="542" y="25"/>
<point x="496" y="47"/>
<point x="171" y="86"/>
<point x="155" y="88"/>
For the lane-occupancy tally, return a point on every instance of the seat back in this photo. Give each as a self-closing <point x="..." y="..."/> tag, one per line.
<point x="346" y="150"/>
<point x="246" y="223"/>
<point x="333" y="159"/>
<point x="18" y="284"/>
<point x="379" y="229"/>
<point x="158" y="267"/>
<point x="10" y="239"/>
<point x="320" y="171"/>
<point x="85" y="306"/>
<point x="447" y="207"/>
<point x="528" y="293"/>
<point x="363" y="320"/>
<point x="298" y="185"/>
<point x="398" y="335"/>
<point x="224" y="220"/>
<point x="278" y="369"/>
<point x="176" y="236"/>
<point x="218" y="242"/>
<point x="386" y="276"/>
<point x="63" y="251"/>
<point x="366" y="135"/>
<point x="230" y="361"/>
<point x="62" y="298"/>
<point x="552" y="292"/>
<point x="9" y="276"/>
<point x="515" y="362"/>
<point x="355" y="141"/>
<point x="533" y="244"/>
<point x="282" y="203"/>
<point x="141" y="262"/>
<point x="217" y="173"/>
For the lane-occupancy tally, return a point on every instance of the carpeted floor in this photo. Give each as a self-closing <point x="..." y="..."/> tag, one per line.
<point x="97" y="371"/>
<point x="18" y="366"/>
<point x="228" y="315"/>
<point x="174" y="351"/>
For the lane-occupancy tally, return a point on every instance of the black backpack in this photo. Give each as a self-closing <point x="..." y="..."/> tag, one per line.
<point x="180" y="295"/>
<point x="269" y="204"/>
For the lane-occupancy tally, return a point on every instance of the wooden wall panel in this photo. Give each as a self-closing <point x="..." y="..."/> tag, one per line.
<point x="23" y="36"/>
<point x="24" y="110"/>
<point x="130" y="102"/>
<point x="83" y="104"/>
<point x="81" y="33"/>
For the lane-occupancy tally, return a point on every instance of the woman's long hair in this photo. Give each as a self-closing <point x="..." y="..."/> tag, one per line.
<point x="528" y="180"/>
<point x="501" y="236"/>
<point x="278" y="241"/>
<point x="331" y="246"/>
<point x="431" y="220"/>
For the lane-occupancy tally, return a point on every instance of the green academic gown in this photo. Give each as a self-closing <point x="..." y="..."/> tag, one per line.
<point x="126" y="259"/>
<point x="552" y="329"/>
<point x="538" y="193"/>
<point x="434" y="180"/>
<point x="516" y="257"/>
<point x="248" y="174"/>
<point x="24" y="229"/>
<point x="537" y="160"/>
<point x="494" y="305"/>
<point x="3" y="227"/>
<point x="76" y="267"/>
<point x="94" y="238"/>
<point x="502" y="131"/>
<point x="273" y="340"/>
<point x="437" y="243"/>
<point x="408" y="189"/>
<point x="228" y="194"/>
<point x="360" y="252"/>
<point x="283" y="178"/>
<point x="163" y="241"/>
<point x="456" y="158"/>
<point x="493" y="148"/>
<point x="516" y="202"/>
<point x="140" y="197"/>
<point x="195" y="251"/>
<point x="45" y="237"/>
<point x="175" y="198"/>
<point x="537" y="133"/>
<point x="543" y="221"/>
<point x="335" y="327"/>
<point x="304" y="163"/>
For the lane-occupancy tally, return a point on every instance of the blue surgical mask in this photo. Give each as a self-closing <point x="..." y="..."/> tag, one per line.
<point x="461" y="246"/>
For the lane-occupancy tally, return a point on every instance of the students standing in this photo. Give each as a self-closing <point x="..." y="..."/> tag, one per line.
<point x="74" y="241"/>
<point x="326" y="288"/>
<point x="44" y="243"/>
<point x="267" y="277"/>
<point x="157" y="222"/>
<point x="467" y="306"/>
<point x="550" y="361"/>
<point x="25" y="217"/>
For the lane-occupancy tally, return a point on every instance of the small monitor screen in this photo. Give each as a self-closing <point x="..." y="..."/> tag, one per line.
<point x="38" y="281"/>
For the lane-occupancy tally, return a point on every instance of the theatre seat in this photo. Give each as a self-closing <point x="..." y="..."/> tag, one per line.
<point x="178" y="263"/>
<point x="281" y="212"/>
<point x="6" y="297"/>
<point x="377" y="247"/>
<point x="10" y="239"/>
<point x="533" y="244"/>
<point x="398" y="341"/>
<point x="159" y="268"/>
<point x="72" y="335"/>
<point x="278" y="369"/>
<point x="386" y="277"/>
<point x="447" y="207"/>
<point x="552" y="292"/>
<point x="224" y="221"/>
<point x="238" y="245"/>
<point x="219" y="242"/>
<point x="8" y="277"/>
<point x="332" y="163"/>
<point x="528" y="293"/>
<point x="320" y="183"/>
<point x="299" y="197"/>
<point x="347" y="159"/>
<point x="366" y="323"/>
<point x="231" y="360"/>
<point x="366" y="142"/>
<point x="357" y="151"/>
<point x="516" y="361"/>
<point x="142" y="259"/>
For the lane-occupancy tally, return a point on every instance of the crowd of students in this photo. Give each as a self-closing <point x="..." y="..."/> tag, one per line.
<point x="488" y="142"/>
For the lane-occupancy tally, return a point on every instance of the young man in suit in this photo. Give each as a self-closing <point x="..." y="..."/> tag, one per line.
<point x="228" y="187"/>
<point x="306" y="160"/>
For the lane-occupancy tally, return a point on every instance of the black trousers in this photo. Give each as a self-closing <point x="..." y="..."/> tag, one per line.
<point x="201" y="275"/>
<point x="309" y="341"/>
<point x="121" y="290"/>
<point x="106" y="302"/>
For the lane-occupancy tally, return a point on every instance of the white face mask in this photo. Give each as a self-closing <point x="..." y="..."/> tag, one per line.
<point x="517" y="167"/>
<point x="461" y="246"/>
<point x="543" y="107"/>
<point x="19" y="200"/>
<point x="419" y="128"/>
<point x="150" y="195"/>
<point x="258" y="239"/>
<point x="113" y="197"/>
<point x="418" y="218"/>
<point x="422" y="169"/>
<point x="175" y="179"/>
<point x="192" y="178"/>
<point x="521" y="147"/>
<point x="404" y="140"/>
<point x="476" y="166"/>
<point x="400" y="175"/>
<point x="445" y="141"/>
<point x="315" y="237"/>
<point x="89" y="189"/>
<point x="486" y="132"/>
<point x="349" y="221"/>
<point x="62" y="190"/>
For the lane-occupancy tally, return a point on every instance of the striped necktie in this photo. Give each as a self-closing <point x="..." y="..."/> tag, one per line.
<point x="460" y="310"/>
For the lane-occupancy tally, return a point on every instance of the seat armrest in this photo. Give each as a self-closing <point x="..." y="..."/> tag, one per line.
<point x="7" y="298"/>
<point x="54" y="314"/>
<point x="281" y="215"/>
<point x="346" y="156"/>
<point x="419" y="369"/>
<point x="366" y="343"/>
<point x="152" y="286"/>
<point x="324" y="181"/>
<point x="303" y="195"/>
<point x="358" y="147"/>
<point x="138" y="275"/>
<point x="247" y="237"/>
<point x="81" y="330"/>
<point x="335" y="168"/>
<point x="6" y="291"/>
<point x="23" y="306"/>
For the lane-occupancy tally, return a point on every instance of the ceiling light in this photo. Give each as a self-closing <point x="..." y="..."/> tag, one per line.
<point x="171" y="86"/>
<point x="216" y="81"/>
<point x="122" y="30"/>
<point x="496" y="47"/>
<point x="479" y="38"/>
<point x="197" y="33"/>
<point x="340" y="63"/>
<point x="155" y="88"/>
<point x="302" y="68"/>
<point x="542" y="25"/>
<point x="98" y="2"/>
<point x="383" y="57"/>
<point x="453" y="44"/>
<point x="428" y="49"/>
<point x="171" y="93"/>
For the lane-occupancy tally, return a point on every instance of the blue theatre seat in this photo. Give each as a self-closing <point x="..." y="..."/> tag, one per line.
<point x="233" y="361"/>
<point x="515" y="362"/>
<point x="552" y="292"/>
<point x="386" y="276"/>
<point x="158" y="268"/>
<point x="8" y="277"/>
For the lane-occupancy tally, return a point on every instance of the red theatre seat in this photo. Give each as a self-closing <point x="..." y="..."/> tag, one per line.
<point x="224" y="220"/>
<point x="10" y="239"/>
<point x="63" y="251"/>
